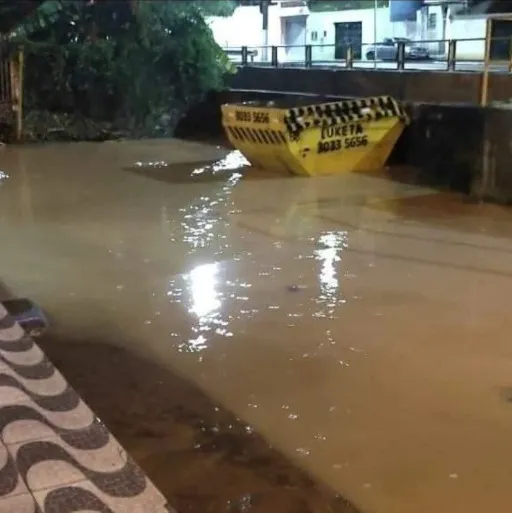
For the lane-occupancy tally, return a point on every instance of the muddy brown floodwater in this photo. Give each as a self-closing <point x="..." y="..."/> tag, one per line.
<point x="271" y="343"/>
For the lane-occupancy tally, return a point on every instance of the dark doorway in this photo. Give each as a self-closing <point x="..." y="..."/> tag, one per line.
<point x="348" y="33"/>
<point x="501" y="40"/>
<point x="294" y="32"/>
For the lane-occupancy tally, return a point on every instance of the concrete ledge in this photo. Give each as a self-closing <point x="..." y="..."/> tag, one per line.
<point x="413" y="86"/>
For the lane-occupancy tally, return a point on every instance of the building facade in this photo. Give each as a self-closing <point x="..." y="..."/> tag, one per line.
<point x="292" y="25"/>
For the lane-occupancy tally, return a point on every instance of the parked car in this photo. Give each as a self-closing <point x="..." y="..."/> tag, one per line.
<point x="388" y="50"/>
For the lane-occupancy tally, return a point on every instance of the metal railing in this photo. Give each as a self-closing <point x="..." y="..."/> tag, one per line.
<point x="429" y="55"/>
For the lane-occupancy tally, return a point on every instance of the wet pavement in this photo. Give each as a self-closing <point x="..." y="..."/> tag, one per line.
<point x="56" y="456"/>
<point x="356" y="324"/>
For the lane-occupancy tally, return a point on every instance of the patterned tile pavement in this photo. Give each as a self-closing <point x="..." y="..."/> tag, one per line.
<point x="55" y="455"/>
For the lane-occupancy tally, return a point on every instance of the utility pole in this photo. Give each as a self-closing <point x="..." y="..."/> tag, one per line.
<point x="375" y="34"/>
<point x="264" y="4"/>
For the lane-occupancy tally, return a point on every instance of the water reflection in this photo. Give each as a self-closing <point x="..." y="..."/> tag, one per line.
<point x="233" y="161"/>
<point x="205" y="305"/>
<point x="157" y="164"/>
<point x="205" y="225"/>
<point x="202" y="285"/>
<point x="330" y="246"/>
<point x="204" y="221"/>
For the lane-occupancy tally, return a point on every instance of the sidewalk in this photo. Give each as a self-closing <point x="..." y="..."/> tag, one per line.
<point x="55" y="455"/>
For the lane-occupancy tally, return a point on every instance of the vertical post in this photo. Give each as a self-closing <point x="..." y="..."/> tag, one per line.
<point x="484" y="93"/>
<point x="275" y="62"/>
<point x="452" y="54"/>
<point x="375" y="34"/>
<point x="244" y="55"/>
<point x="6" y="73"/>
<point x="400" y="55"/>
<point x="486" y="153"/>
<point x="308" y="56"/>
<point x="350" y="57"/>
<point x="510" y="55"/>
<point x="19" y="113"/>
<point x="15" y="64"/>
<point x="264" y="17"/>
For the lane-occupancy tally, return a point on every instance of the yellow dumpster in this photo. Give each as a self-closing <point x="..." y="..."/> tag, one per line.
<point x="316" y="139"/>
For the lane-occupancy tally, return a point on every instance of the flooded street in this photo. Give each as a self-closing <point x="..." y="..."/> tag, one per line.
<point x="358" y="325"/>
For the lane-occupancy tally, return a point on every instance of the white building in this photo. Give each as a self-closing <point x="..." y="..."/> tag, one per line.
<point x="287" y="26"/>
<point x="467" y="24"/>
<point x="465" y="28"/>
<point x="292" y="26"/>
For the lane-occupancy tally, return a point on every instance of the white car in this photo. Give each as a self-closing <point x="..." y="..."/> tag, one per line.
<point x="388" y="50"/>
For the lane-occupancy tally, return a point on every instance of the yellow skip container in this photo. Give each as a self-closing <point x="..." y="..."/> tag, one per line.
<point x="316" y="139"/>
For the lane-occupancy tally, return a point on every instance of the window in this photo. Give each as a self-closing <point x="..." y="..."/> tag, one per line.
<point x="432" y="21"/>
<point x="314" y="35"/>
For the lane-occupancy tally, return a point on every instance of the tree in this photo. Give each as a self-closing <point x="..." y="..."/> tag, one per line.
<point x="217" y="8"/>
<point x="128" y="62"/>
<point x="12" y="12"/>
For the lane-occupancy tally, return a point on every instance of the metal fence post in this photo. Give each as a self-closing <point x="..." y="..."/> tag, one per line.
<point x="452" y="53"/>
<point x="274" y="58"/>
<point x="309" y="56"/>
<point x="19" y="94"/>
<point x="400" y="56"/>
<point x="510" y="55"/>
<point x="350" y="57"/>
<point x="12" y="85"/>
<point x="244" y="55"/>
<point x="484" y="89"/>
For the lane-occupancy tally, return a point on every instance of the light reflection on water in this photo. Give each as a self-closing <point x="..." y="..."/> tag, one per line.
<point x="205" y="305"/>
<point x="233" y="161"/>
<point x="204" y="221"/>
<point x="202" y="284"/>
<point x="330" y="248"/>
<point x="157" y="164"/>
<point x="205" y="226"/>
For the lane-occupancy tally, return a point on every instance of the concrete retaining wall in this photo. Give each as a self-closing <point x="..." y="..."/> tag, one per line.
<point x="494" y="182"/>
<point x="414" y="86"/>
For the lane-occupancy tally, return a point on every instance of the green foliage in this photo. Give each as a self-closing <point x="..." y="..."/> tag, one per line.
<point x="126" y="62"/>
<point x="219" y="8"/>
<point x="12" y="12"/>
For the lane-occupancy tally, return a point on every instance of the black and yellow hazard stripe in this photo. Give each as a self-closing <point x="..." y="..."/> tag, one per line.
<point x="298" y="119"/>
<point x="257" y="135"/>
